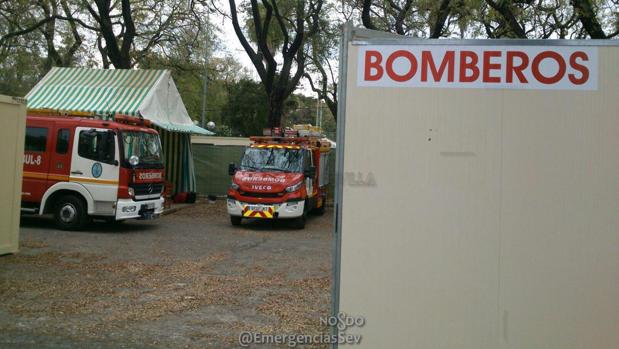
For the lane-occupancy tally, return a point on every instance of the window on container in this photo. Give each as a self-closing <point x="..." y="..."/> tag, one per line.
<point x="62" y="141"/>
<point x="97" y="146"/>
<point x="36" y="139"/>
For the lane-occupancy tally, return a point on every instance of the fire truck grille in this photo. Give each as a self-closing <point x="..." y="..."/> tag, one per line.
<point x="147" y="190"/>
<point x="261" y="195"/>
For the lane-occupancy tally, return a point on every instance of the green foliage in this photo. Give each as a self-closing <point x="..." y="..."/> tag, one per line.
<point x="19" y="72"/>
<point x="246" y="111"/>
<point x="302" y="109"/>
<point x="179" y="36"/>
<point x="275" y="37"/>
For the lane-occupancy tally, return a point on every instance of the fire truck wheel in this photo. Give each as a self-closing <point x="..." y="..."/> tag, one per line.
<point x="299" y="223"/>
<point x="70" y="213"/>
<point x="235" y="220"/>
<point x="320" y="210"/>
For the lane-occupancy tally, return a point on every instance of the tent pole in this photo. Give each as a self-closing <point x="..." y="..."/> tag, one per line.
<point x="204" y="86"/>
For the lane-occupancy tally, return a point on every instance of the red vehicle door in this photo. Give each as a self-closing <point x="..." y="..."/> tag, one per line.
<point x="62" y="143"/>
<point x="36" y="160"/>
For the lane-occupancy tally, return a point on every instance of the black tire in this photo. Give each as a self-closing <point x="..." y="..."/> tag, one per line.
<point x="299" y="223"/>
<point x="320" y="210"/>
<point x="70" y="213"/>
<point x="236" y="220"/>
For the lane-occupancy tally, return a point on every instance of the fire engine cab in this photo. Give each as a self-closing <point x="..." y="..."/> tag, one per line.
<point x="81" y="168"/>
<point x="281" y="177"/>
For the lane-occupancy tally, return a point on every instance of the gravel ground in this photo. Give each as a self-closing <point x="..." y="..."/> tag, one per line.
<point x="187" y="280"/>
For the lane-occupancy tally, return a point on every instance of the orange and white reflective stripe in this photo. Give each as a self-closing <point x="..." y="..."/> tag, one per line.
<point x="49" y="176"/>
<point x="65" y="178"/>
<point x="276" y="146"/>
<point x="34" y="175"/>
<point x="257" y="214"/>
<point x="93" y="180"/>
<point x="57" y="177"/>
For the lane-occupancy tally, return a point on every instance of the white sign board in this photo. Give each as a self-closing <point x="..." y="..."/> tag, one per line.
<point x="501" y="66"/>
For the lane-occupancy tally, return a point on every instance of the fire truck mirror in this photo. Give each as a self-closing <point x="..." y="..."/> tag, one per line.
<point x="231" y="169"/>
<point x="109" y="144"/>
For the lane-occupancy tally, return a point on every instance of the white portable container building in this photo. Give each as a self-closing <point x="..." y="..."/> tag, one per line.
<point x="478" y="192"/>
<point x="12" y="129"/>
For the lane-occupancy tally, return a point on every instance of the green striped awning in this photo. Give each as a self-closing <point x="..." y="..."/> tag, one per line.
<point x="183" y="128"/>
<point x="149" y="93"/>
<point x="97" y="91"/>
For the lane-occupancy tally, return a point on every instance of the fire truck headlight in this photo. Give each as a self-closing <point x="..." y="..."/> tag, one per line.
<point x="134" y="160"/>
<point x="295" y="187"/>
<point x="129" y="209"/>
<point x="234" y="186"/>
<point x="131" y="192"/>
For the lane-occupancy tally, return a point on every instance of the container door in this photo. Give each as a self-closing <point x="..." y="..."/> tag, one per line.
<point x="95" y="162"/>
<point x="36" y="161"/>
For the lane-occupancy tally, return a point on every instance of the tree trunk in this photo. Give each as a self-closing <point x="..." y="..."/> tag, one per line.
<point x="275" y="115"/>
<point x="587" y="17"/>
<point x="277" y="97"/>
<point x="332" y="105"/>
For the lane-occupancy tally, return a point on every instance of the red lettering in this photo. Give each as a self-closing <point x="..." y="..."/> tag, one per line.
<point x="584" y="71"/>
<point x="488" y="66"/>
<point x="447" y="63"/>
<point x="538" y="60"/>
<point x="470" y="65"/>
<point x="511" y="68"/>
<point x="372" y="61"/>
<point x="411" y="72"/>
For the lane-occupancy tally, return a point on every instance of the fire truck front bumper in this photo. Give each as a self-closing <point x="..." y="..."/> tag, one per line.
<point x="288" y="209"/>
<point x="146" y="209"/>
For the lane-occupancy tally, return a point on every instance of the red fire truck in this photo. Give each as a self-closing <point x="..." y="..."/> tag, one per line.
<point x="81" y="168"/>
<point x="280" y="178"/>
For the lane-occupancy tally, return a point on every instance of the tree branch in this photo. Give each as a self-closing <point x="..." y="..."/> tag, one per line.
<point x="253" y="56"/>
<point x="588" y="18"/>
<point x="439" y="21"/>
<point x="366" y="17"/>
<point x="503" y="8"/>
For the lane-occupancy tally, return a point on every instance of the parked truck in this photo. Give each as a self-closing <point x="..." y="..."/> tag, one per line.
<point x="81" y="168"/>
<point x="281" y="177"/>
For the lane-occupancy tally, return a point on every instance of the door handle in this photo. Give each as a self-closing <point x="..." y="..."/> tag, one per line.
<point x="78" y="172"/>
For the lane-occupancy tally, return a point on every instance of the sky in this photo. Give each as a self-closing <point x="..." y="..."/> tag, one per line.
<point x="230" y="44"/>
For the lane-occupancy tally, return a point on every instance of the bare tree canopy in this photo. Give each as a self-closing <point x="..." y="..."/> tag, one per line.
<point x="279" y="80"/>
<point x="596" y="19"/>
<point x="289" y="43"/>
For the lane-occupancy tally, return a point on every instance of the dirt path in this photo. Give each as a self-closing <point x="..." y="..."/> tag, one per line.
<point x="188" y="280"/>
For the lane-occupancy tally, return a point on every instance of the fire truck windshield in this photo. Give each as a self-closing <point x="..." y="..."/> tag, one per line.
<point x="146" y="146"/>
<point x="272" y="159"/>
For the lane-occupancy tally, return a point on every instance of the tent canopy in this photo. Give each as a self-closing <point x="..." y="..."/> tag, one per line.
<point x="151" y="94"/>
